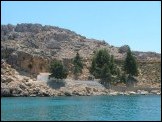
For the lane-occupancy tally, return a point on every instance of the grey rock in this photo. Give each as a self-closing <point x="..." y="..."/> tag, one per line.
<point x="68" y="93"/>
<point x="5" y="92"/>
<point x="123" y="49"/>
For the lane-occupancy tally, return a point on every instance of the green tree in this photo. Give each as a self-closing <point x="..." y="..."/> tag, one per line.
<point x="130" y="64"/>
<point x="123" y="78"/>
<point x="58" y="70"/>
<point x="100" y="59"/>
<point x="78" y="65"/>
<point x="118" y="72"/>
<point x="106" y="75"/>
<point x="113" y="67"/>
<point x="102" y="66"/>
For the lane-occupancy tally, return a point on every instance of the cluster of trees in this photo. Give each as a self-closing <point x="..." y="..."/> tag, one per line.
<point x="103" y="67"/>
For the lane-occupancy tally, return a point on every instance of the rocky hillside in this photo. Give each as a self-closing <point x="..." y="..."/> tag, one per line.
<point x="15" y="84"/>
<point x="31" y="48"/>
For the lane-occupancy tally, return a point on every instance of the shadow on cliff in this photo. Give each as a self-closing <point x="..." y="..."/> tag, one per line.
<point x="56" y="83"/>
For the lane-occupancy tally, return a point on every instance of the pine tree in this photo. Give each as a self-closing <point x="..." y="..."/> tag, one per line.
<point x="105" y="73"/>
<point x="123" y="78"/>
<point x="100" y="58"/>
<point x="112" y="65"/>
<point x="130" y="64"/>
<point x="58" y="70"/>
<point x="118" y="72"/>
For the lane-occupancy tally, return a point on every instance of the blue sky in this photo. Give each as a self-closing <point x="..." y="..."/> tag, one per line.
<point x="137" y="24"/>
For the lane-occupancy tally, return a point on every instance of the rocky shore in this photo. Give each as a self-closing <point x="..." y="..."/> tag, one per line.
<point x="15" y="84"/>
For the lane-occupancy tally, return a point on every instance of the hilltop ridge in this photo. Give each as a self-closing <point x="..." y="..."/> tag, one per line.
<point x="51" y="41"/>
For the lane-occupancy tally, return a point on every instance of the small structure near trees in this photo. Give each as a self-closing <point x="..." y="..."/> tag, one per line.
<point x="43" y="77"/>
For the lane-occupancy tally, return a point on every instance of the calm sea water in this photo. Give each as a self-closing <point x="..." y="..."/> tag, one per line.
<point x="137" y="107"/>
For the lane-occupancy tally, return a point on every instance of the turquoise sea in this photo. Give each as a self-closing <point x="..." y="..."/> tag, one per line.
<point x="135" y="107"/>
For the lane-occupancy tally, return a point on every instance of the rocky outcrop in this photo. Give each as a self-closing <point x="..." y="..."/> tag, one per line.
<point x="14" y="84"/>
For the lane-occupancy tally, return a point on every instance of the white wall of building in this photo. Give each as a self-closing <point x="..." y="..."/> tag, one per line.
<point x="43" y="77"/>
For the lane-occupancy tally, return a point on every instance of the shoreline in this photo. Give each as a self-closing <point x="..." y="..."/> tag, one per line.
<point x="107" y="92"/>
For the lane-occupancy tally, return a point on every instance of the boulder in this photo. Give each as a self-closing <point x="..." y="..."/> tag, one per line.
<point x="142" y="92"/>
<point x="131" y="92"/>
<point x="5" y="92"/>
<point x="88" y="89"/>
<point x="155" y="91"/>
<point x="68" y="93"/>
<point x="113" y="93"/>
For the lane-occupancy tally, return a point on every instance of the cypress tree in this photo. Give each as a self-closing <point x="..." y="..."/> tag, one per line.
<point x="130" y="64"/>
<point x="105" y="73"/>
<point x="112" y="65"/>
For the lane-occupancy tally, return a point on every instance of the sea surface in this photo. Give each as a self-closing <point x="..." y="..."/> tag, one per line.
<point x="134" y="107"/>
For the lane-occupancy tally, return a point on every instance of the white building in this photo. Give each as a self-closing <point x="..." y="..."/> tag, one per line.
<point x="43" y="77"/>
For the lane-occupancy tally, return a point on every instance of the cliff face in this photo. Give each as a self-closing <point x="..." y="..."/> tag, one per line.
<point x="31" y="47"/>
